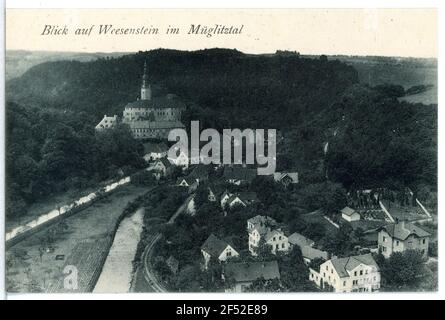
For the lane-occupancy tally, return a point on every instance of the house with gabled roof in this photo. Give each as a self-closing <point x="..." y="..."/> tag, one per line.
<point x="351" y="274"/>
<point x="162" y="168"/>
<point x="401" y="236"/>
<point x="154" y="151"/>
<point x="218" y="249"/>
<point x="263" y="228"/>
<point x="286" y="178"/>
<point x="106" y="123"/>
<point x="241" y="198"/>
<point x="350" y="214"/>
<point x="297" y="239"/>
<point x="242" y="274"/>
<point x="189" y="182"/>
<point x="224" y="198"/>
<point x="306" y="246"/>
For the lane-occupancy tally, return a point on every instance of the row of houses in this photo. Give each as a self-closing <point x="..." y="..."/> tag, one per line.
<point x="390" y="237"/>
<point x="358" y="273"/>
<point x="157" y="153"/>
<point x="260" y="228"/>
<point x="240" y="274"/>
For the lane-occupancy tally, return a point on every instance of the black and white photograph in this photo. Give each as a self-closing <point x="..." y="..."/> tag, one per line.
<point x="221" y="151"/>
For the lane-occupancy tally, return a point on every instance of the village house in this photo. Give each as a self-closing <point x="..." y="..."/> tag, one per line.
<point x="154" y="151"/>
<point x="107" y="123"/>
<point x="239" y="175"/>
<point x="296" y="239"/>
<point x="308" y="252"/>
<point x="350" y="214"/>
<point x="241" y="199"/>
<point x="265" y="228"/>
<point x="286" y="178"/>
<point x="191" y="207"/>
<point x="211" y="196"/>
<point x="224" y="197"/>
<point x="243" y="274"/>
<point x="181" y="160"/>
<point x="217" y="249"/>
<point x="189" y="182"/>
<point x="161" y="168"/>
<point x="402" y="236"/>
<point x="351" y="274"/>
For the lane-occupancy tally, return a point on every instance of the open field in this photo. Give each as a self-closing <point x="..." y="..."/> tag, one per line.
<point x="36" y="264"/>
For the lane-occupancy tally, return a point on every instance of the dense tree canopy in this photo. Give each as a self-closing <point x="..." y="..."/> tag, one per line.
<point x="48" y="151"/>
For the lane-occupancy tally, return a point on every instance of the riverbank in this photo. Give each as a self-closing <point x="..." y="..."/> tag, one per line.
<point x="37" y="263"/>
<point x="44" y="219"/>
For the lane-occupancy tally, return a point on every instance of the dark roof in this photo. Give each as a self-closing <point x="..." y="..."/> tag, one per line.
<point x="403" y="230"/>
<point x="146" y="124"/>
<point x="240" y="173"/>
<point x="165" y="162"/>
<point x="250" y="271"/>
<point x="278" y="176"/>
<point x="313" y="253"/>
<point x="155" y="147"/>
<point x="214" y="246"/>
<point x="343" y="265"/>
<point x="169" y="101"/>
<point x="300" y="240"/>
<point x="200" y="171"/>
<point x="263" y="224"/>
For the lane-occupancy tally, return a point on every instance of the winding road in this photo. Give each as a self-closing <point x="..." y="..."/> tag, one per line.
<point x="149" y="275"/>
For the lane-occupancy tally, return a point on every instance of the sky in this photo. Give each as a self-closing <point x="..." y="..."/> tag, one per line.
<point x="381" y="32"/>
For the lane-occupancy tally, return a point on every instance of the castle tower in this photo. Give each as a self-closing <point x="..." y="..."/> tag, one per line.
<point x="145" y="88"/>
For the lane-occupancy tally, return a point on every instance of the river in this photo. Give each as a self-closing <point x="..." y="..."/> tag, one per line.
<point x="117" y="271"/>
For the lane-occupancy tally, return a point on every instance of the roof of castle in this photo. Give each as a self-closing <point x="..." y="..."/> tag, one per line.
<point x="145" y="124"/>
<point x="169" y="101"/>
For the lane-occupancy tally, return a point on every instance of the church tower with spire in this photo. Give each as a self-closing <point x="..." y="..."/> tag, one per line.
<point x="145" y="88"/>
<point x="149" y="117"/>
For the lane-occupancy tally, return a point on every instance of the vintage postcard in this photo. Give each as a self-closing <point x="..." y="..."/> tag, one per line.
<point x="221" y="150"/>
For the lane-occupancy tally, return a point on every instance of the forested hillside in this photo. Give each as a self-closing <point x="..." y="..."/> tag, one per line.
<point x="243" y="90"/>
<point x="373" y="138"/>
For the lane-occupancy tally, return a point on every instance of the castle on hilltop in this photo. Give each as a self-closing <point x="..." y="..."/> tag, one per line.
<point x="149" y="117"/>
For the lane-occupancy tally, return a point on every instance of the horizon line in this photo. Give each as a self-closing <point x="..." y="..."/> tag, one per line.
<point x="232" y="49"/>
